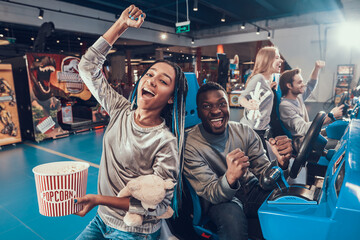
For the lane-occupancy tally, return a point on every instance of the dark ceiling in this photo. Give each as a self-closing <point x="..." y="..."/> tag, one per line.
<point x="162" y="12"/>
<point x="211" y="11"/>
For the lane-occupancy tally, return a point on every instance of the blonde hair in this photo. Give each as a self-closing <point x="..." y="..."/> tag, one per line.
<point x="264" y="59"/>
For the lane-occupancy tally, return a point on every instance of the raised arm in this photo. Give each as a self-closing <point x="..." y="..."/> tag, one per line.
<point x="92" y="61"/>
<point x="130" y="17"/>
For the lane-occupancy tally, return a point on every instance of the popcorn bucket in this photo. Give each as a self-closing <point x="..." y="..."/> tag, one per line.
<point x="57" y="184"/>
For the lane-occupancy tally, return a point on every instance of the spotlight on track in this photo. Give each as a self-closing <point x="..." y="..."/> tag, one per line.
<point x="41" y="14"/>
<point x="195" y="8"/>
<point x="223" y="18"/>
<point x="242" y="26"/>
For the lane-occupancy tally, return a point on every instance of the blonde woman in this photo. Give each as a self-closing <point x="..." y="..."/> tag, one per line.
<point x="257" y="98"/>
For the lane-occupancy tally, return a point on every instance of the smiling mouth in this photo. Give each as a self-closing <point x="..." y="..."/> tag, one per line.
<point x="217" y="122"/>
<point x="147" y="93"/>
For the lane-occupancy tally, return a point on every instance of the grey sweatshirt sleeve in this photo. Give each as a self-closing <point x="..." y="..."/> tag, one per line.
<point x="259" y="162"/>
<point x="309" y="88"/>
<point x="292" y="120"/>
<point x="204" y="180"/>
<point x="90" y="72"/>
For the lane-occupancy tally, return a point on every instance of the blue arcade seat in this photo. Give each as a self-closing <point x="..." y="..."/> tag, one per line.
<point x="277" y="101"/>
<point x="191" y="117"/>
<point x="200" y="220"/>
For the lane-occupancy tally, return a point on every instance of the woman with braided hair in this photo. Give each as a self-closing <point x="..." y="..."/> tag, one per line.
<point x="144" y="136"/>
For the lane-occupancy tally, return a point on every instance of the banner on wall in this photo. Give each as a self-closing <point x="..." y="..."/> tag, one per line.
<point x="9" y="117"/>
<point x="51" y="77"/>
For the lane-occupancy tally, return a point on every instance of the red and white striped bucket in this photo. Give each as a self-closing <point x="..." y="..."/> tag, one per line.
<point x="57" y="184"/>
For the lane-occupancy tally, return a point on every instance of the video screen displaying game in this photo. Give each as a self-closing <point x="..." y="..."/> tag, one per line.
<point x="345" y="70"/>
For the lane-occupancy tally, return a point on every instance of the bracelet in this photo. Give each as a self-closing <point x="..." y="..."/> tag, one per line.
<point x="331" y="116"/>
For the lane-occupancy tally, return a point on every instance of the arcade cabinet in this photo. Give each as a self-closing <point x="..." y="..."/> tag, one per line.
<point x="54" y="101"/>
<point x="345" y="74"/>
<point x="9" y="117"/>
<point x="328" y="209"/>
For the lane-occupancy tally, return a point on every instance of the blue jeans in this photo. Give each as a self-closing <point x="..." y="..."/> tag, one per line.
<point x="98" y="230"/>
<point x="231" y="220"/>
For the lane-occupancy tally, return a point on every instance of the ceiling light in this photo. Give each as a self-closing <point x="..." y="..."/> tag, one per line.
<point x="195" y="8"/>
<point x="269" y="35"/>
<point x="223" y="18"/>
<point x="243" y="26"/>
<point x="249" y="62"/>
<point x="148" y="61"/>
<point x="41" y="14"/>
<point x="32" y="39"/>
<point x="163" y="36"/>
<point x="192" y="41"/>
<point x="134" y="60"/>
<point x="209" y="60"/>
<point x="258" y="31"/>
<point x="112" y="50"/>
<point x="57" y="41"/>
<point x="4" y="41"/>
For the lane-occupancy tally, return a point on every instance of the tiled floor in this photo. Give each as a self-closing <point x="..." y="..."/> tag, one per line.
<point x="19" y="212"/>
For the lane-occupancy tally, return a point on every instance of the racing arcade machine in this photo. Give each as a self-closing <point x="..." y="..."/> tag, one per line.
<point x="327" y="209"/>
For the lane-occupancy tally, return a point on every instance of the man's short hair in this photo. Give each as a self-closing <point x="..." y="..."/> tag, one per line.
<point x="287" y="77"/>
<point x="209" y="86"/>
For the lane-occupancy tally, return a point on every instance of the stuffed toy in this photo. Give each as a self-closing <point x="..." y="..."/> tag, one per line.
<point x="150" y="190"/>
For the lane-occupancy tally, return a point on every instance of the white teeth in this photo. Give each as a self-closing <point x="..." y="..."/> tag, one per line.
<point x="47" y="68"/>
<point x="215" y="120"/>
<point x="148" y="90"/>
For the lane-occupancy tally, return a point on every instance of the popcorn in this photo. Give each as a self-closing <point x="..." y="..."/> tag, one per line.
<point x="71" y="168"/>
<point x="57" y="184"/>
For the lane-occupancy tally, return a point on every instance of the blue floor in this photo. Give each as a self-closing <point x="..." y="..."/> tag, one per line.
<point x="19" y="212"/>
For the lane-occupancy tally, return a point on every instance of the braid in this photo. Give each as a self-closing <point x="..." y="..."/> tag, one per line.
<point x="174" y="115"/>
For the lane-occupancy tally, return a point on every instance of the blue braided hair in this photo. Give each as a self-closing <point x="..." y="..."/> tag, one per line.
<point x="174" y="115"/>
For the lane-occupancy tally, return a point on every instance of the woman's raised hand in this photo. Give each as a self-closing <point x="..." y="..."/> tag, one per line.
<point x="132" y="17"/>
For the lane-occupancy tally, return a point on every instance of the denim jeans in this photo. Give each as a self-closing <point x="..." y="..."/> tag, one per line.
<point x="231" y="219"/>
<point x="98" y="230"/>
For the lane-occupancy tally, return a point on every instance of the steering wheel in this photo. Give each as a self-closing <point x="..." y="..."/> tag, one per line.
<point x="307" y="144"/>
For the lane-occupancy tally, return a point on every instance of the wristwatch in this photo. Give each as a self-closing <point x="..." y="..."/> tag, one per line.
<point x="331" y="116"/>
